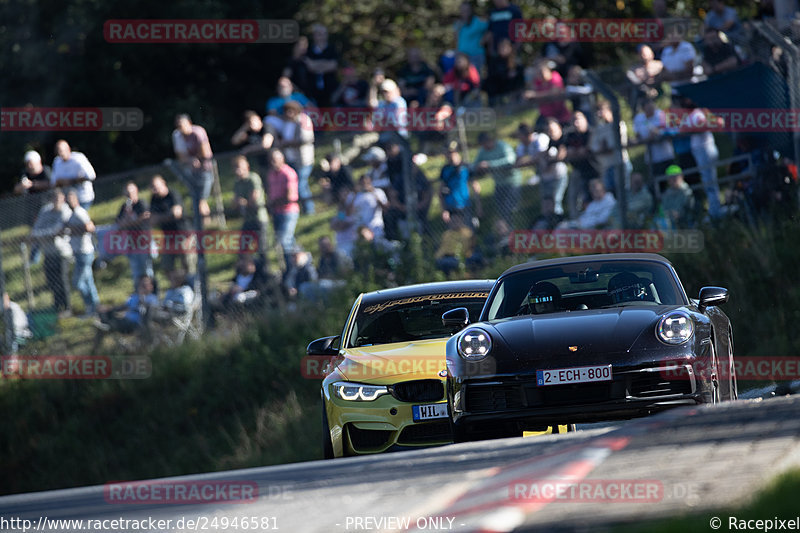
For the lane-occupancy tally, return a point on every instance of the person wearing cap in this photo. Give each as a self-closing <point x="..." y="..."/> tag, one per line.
<point x="378" y="171"/>
<point x="456" y="185"/>
<point x="50" y="233"/>
<point x="497" y="158"/>
<point x="391" y="112"/>
<point x="81" y="228"/>
<point x="35" y="177"/>
<point x="296" y="141"/>
<point x="73" y="169"/>
<point x="677" y="202"/>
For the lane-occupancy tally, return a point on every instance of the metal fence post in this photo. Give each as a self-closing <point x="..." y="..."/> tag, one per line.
<point x="8" y="338"/>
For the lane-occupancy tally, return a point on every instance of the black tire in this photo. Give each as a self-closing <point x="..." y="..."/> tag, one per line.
<point x="716" y="392"/>
<point x="327" y="445"/>
<point x="732" y="382"/>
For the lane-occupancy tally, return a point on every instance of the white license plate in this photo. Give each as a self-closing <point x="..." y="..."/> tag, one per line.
<point x="430" y="411"/>
<point x="578" y="374"/>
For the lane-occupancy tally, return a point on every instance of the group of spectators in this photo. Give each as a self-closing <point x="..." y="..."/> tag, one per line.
<point x="575" y="152"/>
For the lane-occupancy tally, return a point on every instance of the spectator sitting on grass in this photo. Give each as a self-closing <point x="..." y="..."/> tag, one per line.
<point x="180" y="295"/>
<point x="136" y="309"/>
<point x="597" y="213"/>
<point x="333" y="264"/>
<point x="548" y="219"/>
<point x="248" y="284"/>
<point x="373" y="252"/>
<point x="300" y="272"/>
<point x="640" y="204"/>
<point x="456" y="245"/>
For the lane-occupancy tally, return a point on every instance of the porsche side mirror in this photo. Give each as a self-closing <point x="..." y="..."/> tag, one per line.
<point x="711" y="296"/>
<point x="324" y="346"/>
<point x="456" y="318"/>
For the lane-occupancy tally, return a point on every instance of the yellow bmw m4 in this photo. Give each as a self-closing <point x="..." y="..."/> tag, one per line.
<point x="384" y="376"/>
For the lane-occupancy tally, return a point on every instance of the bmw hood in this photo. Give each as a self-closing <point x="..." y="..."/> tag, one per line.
<point x="399" y="361"/>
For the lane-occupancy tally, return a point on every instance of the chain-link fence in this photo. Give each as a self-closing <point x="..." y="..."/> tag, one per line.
<point x="459" y="195"/>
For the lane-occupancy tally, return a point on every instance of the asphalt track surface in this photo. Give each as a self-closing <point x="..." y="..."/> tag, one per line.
<point x="682" y="461"/>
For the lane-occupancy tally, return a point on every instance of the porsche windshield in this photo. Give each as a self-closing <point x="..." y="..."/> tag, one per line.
<point x="580" y="286"/>
<point x="410" y="319"/>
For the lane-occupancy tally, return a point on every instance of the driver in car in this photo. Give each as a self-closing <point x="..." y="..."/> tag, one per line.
<point x="544" y="297"/>
<point x="626" y="287"/>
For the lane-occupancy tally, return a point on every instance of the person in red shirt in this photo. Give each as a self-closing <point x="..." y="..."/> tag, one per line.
<point x="283" y="206"/>
<point x="462" y="82"/>
<point x="547" y="84"/>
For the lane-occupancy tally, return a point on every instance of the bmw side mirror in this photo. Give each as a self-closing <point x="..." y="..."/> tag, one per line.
<point x="325" y="346"/>
<point x="456" y="319"/>
<point x="711" y="296"/>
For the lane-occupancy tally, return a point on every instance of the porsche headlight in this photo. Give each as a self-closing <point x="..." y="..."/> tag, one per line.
<point x="474" y="344"/>
<point x="675" y="328"/>
<point x="357" y="392"/>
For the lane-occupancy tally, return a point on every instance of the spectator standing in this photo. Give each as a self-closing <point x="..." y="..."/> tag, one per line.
<point x="580" y="92"/>
<point x="35" y="179"/>
<point x="581" y="158"/>
<point x="322" y="62"/>
<point x="415" y="78"/>
<point x="649" y="126"/>
<point x="505" y="74"/>
<point x="248" y="193"/>
<point x="497" y="158"/>
<point x="392" y="109"/>
<point x="719" y="55"/>
<point x="548" y="84"/>
<point x="49" y="232"/>
<point x="81" y="228"/>
<point x="283" y="206"/>
<point x="72" y="169"/>
<point x="254" y="137"/>
<point x="296" y="69"/>
<point x="724" y="18"/>
<point x="335" y="177"/>
<point x="368" y="206"/>
<point x="193" y="150"/>
<point x="706" y="154"/>
<point x="645" y="76"/>
<point x="553" y="168"/>
<point x="462" y="82"/>
<point x="565" y="52"/>
<point x="677" y="58"/>
<point x="396" y="217"/>
<point x="469" y="31"/>
<point x="297" y="144"/>
<point x="456" y="186"/>
<point x="166" y="214"/>
<point x="602" y="143"/>
<point x="532" y="144"/>
<point x="344" y="223"/>
<point x="133" y="217"/>
<point x="500" y="17"/>
<point x="677" y="202"/>
<point x="378" y="173"/>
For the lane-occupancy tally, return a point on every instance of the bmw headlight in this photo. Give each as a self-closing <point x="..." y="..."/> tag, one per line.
<point x="357" y="392"/>
<point x="675" y="328"/>
<point x="474" y="344"/>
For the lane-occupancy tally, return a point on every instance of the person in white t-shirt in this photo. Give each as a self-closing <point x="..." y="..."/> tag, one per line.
<point x="677" y="58"/>
<point x="649" y="125"/>
<point x="598" y="212"/>
<point x="73" y="169"/>
<point x="368" y="206"/>
<point x="81" y="228"/>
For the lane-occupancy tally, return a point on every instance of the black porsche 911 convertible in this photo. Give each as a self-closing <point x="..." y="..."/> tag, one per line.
<point x="585" y="339"/>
